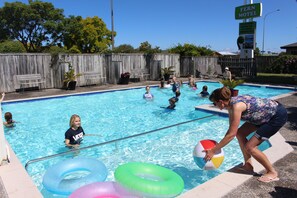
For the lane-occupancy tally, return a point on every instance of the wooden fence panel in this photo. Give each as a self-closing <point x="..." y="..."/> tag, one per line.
<point x="263" y="62"/>
<point x="17" y="64"/>
<point x="239" y="66"/>
<point x="164" y="60"/>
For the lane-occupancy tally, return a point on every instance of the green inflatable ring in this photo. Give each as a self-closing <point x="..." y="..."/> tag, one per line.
<point x="149" y="180"/>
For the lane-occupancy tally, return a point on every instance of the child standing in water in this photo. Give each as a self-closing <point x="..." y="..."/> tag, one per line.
<point x="9" y="121"/>
<point x="204" y="92"/>
<point x="148" y="94"/>
<point x="171" y="103"/>
<point x="74" y="135"/>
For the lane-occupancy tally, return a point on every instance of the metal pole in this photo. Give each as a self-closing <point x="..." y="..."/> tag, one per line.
<point x="112" y="26"/>
<point x="264" y="28"/>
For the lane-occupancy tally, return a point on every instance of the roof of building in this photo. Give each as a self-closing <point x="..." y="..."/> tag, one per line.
<point x="293" y="45"/>
<point x="225" y="53"/>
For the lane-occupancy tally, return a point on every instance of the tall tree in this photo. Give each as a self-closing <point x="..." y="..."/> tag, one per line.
<point x="89" y="35"/>
<point x="72" y="31"/>
<point x="35" y="24"/>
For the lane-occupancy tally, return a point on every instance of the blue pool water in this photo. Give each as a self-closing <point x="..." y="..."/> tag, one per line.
<point x="118" y="114"/>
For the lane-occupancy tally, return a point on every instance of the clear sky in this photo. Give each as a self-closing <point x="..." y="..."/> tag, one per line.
<point x="167" y="23"/>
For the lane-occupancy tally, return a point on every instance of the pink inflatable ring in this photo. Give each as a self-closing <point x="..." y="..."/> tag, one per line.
<point x="101" y="190"/>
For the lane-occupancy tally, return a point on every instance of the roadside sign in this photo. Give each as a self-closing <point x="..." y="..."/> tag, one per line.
<point x="248" y="11"/>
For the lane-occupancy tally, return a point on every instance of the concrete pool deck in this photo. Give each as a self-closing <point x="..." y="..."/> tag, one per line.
<point x="14" y="182"/>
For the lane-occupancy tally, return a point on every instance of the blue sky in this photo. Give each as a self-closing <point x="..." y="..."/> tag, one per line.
<point x="166" y="23"/>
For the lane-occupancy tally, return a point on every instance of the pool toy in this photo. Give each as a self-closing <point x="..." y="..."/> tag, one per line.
<point x="199" y="155"/>
<point x="149" y="180"/>
<point x="102" y="189"/>
<point x="55" y="182"/>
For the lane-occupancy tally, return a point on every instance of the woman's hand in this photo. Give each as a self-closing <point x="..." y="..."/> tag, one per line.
<point x="208" y="154"/>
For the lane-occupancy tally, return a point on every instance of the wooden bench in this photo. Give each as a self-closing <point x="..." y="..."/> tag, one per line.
<point x="93" y="78"/>
<point x="141" y="74"/>
<point x="29" y="80"/>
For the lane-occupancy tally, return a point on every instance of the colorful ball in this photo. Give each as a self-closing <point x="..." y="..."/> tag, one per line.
<point x="198" y="155"/>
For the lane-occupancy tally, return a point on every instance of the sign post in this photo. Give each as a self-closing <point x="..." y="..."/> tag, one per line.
<point x="247" y="30"/>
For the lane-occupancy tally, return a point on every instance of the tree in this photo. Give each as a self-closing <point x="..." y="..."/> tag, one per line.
<point x="125" y="48"/>
<point x="191" y="50"/>
<point x="34" y="25"/>
<point x="89" y="35"/>
<point x="146" y="47"/>
<point x="72" y="32"/>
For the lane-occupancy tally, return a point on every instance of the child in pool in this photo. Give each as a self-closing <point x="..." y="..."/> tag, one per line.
<point x="74" y="135"/>
<point x="167" y="85"/>
<point x="171" y="103"/>
<point x="148" y="94"/>
<point x="162" y="83"/>
<point x="175" y="85"/>
<point x="204" y="92"/>
<point x="9" y="121"/>
<point x="176" y="97"/>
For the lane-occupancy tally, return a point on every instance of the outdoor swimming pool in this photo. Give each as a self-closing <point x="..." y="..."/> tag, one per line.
<point x="119" y="114"/>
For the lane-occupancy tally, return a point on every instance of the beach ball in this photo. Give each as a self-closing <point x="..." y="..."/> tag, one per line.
<point x="198" y="155"/>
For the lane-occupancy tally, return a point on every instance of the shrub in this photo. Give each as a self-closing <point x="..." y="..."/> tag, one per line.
<point x="56" y="49"/>
<point x="285" y="64"/>
<point x="74" y="49"/>
<point x="12" y="47"/>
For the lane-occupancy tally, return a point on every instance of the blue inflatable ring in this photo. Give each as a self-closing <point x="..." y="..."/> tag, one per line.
<point x="54" y="181"/>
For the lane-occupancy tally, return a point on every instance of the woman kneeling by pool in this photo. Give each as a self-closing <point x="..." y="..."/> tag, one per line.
<point x="263" y="115"/>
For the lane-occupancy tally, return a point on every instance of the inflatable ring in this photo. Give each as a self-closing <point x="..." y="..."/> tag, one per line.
<point x="149" y="180"/>
<point x="101" y="190"/>
<point x="54" y="181"/>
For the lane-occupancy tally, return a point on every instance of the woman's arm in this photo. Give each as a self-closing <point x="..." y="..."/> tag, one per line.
<point x="2" y="98"/>
<point x="234" y="121"/>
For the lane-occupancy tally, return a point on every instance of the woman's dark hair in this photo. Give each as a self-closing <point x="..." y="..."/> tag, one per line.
<point x="223" y="93"/>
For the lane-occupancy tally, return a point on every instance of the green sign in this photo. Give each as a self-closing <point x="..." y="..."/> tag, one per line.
<point x="247" y="28"/>
<point x="248" y="11"/>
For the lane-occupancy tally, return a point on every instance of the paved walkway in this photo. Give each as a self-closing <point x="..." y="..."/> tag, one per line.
<point x="287" y="166"/>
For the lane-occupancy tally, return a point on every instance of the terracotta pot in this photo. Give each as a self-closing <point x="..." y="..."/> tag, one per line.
<point x="71" y="85"/>
<point x="234" y="92"/>
<point x="166" y="77"/>
<point x="124" y="81"/>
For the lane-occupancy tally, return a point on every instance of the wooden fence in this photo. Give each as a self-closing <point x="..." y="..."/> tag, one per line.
<point x="239" y="66"/>
<point x="110" y="66"/>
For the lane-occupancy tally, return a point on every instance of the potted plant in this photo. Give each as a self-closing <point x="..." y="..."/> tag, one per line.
<point x="70" y="78"/>
<point x="166" y="72"/>
<point x="125" y="77"/>
<point x="231" y="84"/>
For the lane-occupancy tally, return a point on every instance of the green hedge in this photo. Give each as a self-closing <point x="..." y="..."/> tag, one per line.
<point x="277" y="80"/>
